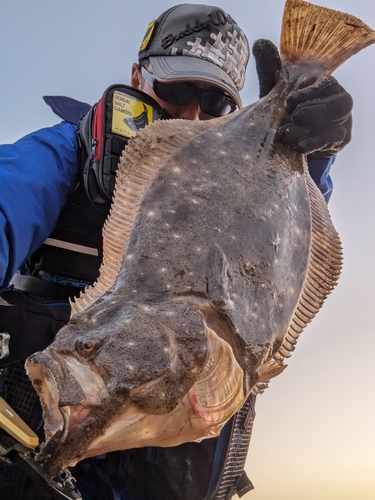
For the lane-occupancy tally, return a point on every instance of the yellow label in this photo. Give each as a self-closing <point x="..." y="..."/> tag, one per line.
<point x="148" y="35"/>
<point x="129" y="114"/>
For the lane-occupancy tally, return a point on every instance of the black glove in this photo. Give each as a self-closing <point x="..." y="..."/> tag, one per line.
<point x="268" y="65"/>
<point x="321" y="120"/>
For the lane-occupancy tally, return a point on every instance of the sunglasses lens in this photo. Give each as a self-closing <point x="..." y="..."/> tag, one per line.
<point x="216" y="104"/>
<point x="180" y="94"/>
<point x="174" y="93"/>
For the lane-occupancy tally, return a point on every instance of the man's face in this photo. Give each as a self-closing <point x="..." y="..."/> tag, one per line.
<point x="190" y="111"/>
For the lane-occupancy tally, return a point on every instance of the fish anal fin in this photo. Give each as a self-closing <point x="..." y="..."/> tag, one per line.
<point x="322" y="36"/>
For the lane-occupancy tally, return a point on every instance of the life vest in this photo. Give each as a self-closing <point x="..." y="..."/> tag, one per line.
<point x="72" y="254"/>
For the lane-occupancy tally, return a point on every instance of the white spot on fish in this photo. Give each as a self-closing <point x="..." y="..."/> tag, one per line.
<point x="177" y="169"/>
<point x="219" y="134"/>
<point x="218" y="229"/>
<point x="176" y="236"/>
<point x="233" y="237"/>
<point x="173" y="211"/>
<point x="194" y="201"/>
<point x="222" y="152"/>
<point x="163" y="269"/>
<point x="168" y="286"/>
<point x="129" y="257"/>
<point x="169" y="313"/>
<point x="166" y="349"/>
<point x="131" y="344"/>
<point x="130" y="368"/>
<point x="174" y="184"/>
<point x="151" y="214"/>
<point x="199" y="249"/>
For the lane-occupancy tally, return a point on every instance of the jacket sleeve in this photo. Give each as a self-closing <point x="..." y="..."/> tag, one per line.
<point x="37" y="175"/>
<point x="320" y="174"/>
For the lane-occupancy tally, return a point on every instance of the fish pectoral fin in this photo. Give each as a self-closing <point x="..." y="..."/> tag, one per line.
<point x="217" y="277"/>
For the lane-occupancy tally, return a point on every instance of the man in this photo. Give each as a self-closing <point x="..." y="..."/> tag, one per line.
<point x="192" y="63"/>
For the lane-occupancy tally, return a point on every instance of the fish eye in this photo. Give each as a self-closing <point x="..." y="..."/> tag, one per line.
<point x="88" y="345"/>
<point x="85" y="347"/>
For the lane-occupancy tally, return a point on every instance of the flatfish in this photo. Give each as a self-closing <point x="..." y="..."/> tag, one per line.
<point x="218" y="250"/>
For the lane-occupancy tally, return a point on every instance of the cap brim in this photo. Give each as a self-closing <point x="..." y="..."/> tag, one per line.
<point x="177" y="68"/>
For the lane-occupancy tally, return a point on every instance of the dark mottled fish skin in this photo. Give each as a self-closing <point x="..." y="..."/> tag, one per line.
<point x="235" y="192"/>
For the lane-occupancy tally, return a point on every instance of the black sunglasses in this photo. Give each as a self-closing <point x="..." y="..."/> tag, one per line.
<point x="180" y="94"/>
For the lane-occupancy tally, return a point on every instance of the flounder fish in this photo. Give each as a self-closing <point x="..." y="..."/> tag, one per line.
<point x="218" y="250"/>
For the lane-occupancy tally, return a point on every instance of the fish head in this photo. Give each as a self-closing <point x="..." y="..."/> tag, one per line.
<point x="100" y="382"/>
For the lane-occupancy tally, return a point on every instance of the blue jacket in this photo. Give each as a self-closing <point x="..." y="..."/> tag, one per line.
<point x="38" y="173"/>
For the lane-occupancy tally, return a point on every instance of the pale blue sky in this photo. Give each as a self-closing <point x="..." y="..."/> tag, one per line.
<point x="314" y="435"/>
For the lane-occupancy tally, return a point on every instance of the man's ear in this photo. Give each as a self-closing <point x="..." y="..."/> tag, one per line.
<point x="136" y="76"/>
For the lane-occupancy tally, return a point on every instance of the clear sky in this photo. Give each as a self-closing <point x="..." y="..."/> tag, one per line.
<point x="314" y="435"/>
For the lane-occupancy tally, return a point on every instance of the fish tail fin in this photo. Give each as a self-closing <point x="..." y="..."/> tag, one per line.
<point x="323" y="36"/>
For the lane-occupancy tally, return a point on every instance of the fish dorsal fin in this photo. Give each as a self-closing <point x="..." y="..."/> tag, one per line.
<point x="323" y="36"/>
<point x="143" y="157"/>
<point x="323" y="272"/>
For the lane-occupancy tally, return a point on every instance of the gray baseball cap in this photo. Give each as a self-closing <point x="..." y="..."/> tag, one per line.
<point x="199" y="43"/>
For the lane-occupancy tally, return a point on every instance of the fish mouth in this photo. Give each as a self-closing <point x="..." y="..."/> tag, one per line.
<point x="61" y="391"/>
<point x="45" y="385"/>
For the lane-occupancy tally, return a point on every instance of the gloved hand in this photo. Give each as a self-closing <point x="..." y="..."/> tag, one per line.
<point x="321" y="120"/>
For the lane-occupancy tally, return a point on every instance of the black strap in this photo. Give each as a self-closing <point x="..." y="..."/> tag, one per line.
<point x="43" y="288"/>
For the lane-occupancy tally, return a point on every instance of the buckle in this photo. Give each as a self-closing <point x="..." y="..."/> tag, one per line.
<point x="4" y="345"/>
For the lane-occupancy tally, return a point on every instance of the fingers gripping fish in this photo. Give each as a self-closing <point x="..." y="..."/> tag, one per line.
<point x="218" y="250"/>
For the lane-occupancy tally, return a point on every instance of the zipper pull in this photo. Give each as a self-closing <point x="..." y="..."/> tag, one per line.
<point x="94" y="143"/>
